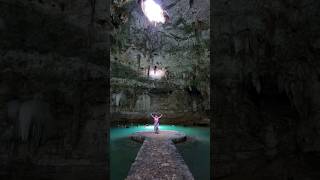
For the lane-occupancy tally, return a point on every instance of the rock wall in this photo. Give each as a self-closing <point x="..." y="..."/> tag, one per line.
<point x="53" y="59"/>
<point x="178" y="49"/>
<point x="266" y="74"/>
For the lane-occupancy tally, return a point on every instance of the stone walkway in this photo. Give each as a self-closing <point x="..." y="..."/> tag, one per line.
<point x="158" y="158"/>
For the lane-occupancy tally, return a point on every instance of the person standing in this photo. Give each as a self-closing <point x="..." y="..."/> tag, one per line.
<point x="156" y="123"/>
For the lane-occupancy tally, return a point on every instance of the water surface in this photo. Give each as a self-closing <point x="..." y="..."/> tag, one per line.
<point x="195" y="153"/>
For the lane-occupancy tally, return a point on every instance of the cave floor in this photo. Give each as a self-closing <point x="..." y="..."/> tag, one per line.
<point x="158" y="157"/>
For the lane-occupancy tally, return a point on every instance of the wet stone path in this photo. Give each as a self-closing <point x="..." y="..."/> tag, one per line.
<point x="158" y="158"/>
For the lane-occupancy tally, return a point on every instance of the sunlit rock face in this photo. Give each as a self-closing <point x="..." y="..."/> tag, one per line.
<point x="168" y="61"/>
<point x="156" y="74"/>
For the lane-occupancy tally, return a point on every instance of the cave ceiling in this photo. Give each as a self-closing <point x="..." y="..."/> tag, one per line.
<point x="187" y="28"/>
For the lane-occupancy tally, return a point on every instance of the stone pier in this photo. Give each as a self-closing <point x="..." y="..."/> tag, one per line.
<point x="158" y="158"/>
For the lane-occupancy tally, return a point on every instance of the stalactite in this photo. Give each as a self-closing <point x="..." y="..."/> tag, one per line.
<point x="35" y="121"/>
<point x="143" y="103"/>
<point x="25" y="118"/>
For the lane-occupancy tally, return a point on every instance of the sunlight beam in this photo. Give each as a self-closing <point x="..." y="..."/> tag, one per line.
<point x="153" y="11"/>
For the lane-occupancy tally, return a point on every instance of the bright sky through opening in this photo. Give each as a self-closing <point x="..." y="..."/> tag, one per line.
<point x="153" y="11"/>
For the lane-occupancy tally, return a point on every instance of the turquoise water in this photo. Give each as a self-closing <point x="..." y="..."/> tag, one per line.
<point x="195" y="153"/>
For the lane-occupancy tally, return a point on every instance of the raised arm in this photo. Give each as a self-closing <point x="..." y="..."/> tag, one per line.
<point x="151" y="115"/>
<point x="160" y="116"/>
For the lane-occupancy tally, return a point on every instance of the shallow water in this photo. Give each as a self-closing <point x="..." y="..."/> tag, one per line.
<point x="196" y="153"/>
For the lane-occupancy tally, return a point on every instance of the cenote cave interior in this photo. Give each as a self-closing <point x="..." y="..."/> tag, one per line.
<point x="159" y="89"/>
<point x="159" y="63"/>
